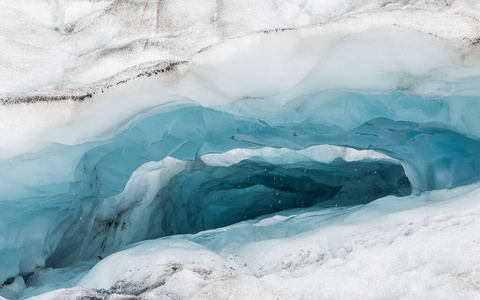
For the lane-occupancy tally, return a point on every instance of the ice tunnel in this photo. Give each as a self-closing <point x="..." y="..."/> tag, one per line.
<point x="267" y="124"/>
<point x="192" y="168"/>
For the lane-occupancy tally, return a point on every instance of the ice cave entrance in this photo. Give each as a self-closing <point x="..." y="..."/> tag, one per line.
<point x="220" y="189"/>
<point x="191" y="168"/>
<point x="207" y="197"/>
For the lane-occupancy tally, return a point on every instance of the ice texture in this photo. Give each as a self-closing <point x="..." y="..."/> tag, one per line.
<point x="410" y="247"/>
<point x="239" y="149"/>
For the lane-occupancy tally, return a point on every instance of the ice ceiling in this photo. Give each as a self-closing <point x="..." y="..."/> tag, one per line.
<point x="315" y="115"/>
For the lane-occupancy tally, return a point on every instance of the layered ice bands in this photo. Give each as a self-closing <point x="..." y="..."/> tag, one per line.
<point x="283" y="151"/>
<point x="55" y="45"/>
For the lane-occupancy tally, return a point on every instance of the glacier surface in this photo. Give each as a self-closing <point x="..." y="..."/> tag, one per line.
<point x="239" y="149"/>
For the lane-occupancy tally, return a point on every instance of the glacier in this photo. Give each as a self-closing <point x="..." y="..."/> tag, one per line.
<point x="239" y="149"/>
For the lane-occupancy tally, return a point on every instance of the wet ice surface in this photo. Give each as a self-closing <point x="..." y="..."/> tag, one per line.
<point x="409" y="248"/>
<point x="338" y="160"/>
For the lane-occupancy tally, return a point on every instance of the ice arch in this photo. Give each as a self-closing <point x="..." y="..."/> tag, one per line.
<point x="84" y="210"/>
<point x="77" y="194"/>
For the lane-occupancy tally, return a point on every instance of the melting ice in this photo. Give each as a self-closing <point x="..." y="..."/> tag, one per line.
<point x="331" y="161"/>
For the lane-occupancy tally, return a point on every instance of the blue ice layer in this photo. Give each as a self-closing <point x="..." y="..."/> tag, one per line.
<point x="50" y="199"/>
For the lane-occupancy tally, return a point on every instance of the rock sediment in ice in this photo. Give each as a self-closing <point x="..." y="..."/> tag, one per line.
<point x="56" y="45"/>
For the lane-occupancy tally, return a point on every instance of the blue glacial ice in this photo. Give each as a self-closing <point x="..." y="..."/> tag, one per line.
<point x="278" y="164"/>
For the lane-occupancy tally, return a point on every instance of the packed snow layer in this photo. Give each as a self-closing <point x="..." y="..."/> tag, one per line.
<point x="54" y="45"/>
<point x="277" y="77"/>
<point x="228" y="120"/>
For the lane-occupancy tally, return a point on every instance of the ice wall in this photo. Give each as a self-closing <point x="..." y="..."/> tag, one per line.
<point x="357" y="114"/>
<point x="77" y="202"/>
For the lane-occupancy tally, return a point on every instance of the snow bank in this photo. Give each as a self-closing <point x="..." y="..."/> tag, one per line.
<point x="51" y="45"/>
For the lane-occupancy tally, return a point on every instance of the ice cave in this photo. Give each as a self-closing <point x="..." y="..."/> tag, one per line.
<point x="254" y="149"/>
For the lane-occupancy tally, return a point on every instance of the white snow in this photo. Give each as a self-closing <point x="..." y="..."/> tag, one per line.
<point x="319" y="153"/>
<point x="50" y="45"/>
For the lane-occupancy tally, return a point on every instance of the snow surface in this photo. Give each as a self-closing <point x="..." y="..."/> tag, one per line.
<point x="279" y="142"/>
<point x="53" y="45"/>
